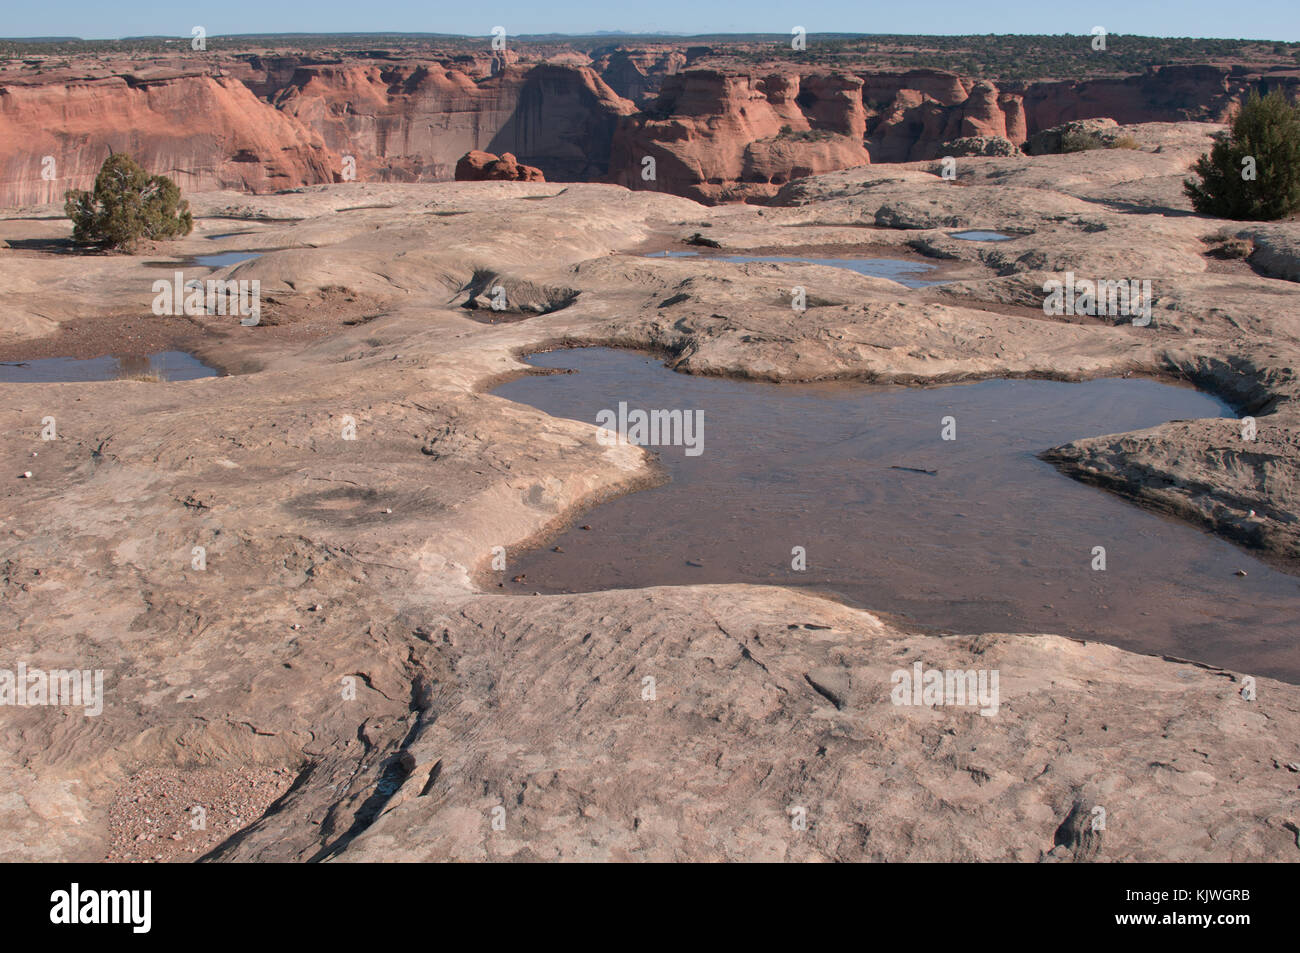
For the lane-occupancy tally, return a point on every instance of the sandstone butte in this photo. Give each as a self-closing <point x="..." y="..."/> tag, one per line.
<point x="717" y="129"/>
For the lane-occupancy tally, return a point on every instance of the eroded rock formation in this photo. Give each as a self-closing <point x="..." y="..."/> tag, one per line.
<point x="206" y="132"/>
<point x="412" y="123"/>
<point x="717" y="128"/>
<point x="476" y="166"/>
<point x="716" y="136"/>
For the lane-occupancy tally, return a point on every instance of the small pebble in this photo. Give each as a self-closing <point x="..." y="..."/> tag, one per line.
<point x="388" y="510"/>
<point x="586" y="527"/>
<point x="1240" y="572"/>
<point x="557" y="549"/>
<point x="26" y="476"/>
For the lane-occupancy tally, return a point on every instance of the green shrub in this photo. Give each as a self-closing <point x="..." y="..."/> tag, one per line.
<point x="127" y="205"/>
<point x="1267" y="132"/>
<point x="805" y="135"/>
<point x="1079" y="141"/>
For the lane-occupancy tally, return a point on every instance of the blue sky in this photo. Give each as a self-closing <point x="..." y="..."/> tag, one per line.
<point x="96" y="19"/>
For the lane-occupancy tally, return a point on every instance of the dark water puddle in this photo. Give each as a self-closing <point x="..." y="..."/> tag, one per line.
<point x="976" y="235"/>
<point x="971" y="535"/>
<point x="166" y="365"/>
<point x="894" y="269"/>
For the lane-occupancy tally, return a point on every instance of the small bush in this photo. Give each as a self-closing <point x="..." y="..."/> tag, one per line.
<point x="1229" y="247"/>
<point x="1124" y="142"/>
<point x="805" y="135"/>
<point x="127" y="205"/>
<point x="1079" y="141"/>
<point x="1266" y="135"/>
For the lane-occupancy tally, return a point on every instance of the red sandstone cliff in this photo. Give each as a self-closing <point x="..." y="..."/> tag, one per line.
<point x="914" y="113"/>
<point x="714" y="136"/>
<point x="259" y="122"/>
<point x="205" y="132"/>
<point x="412" y="123"/>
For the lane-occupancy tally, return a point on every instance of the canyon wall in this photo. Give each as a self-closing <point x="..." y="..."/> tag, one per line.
<point x="718" y="136"/>
<point x="412" y="123"/>
<point x="715" y="136"/>
<point x="205" y="132"/>
<point x="911" y="115"/>
<point x="644" y="119"/>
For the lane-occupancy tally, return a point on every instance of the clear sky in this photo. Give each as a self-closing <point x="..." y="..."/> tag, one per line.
<point x="98" y="19"/>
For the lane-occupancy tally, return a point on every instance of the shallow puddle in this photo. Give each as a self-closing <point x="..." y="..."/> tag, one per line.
<point x="895" y="269"/>
<point x="165" y="365"/>
<point x="976" y="235"/>
<point x="215" y="260"/>
<point x="974" y="534"/>
<point x="225" y="258"/>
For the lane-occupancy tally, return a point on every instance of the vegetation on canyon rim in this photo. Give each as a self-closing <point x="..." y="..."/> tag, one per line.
<point x="988" y="56"/>
<point x="1253" y="172"/>
<point x="127" y="205"/>
<point x="1080" y="141"/>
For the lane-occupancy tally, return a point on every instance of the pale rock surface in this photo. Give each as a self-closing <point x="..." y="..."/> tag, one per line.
<point x="334" y="563"/>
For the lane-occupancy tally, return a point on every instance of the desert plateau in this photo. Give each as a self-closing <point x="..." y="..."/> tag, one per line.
<point x="376" y="571"/>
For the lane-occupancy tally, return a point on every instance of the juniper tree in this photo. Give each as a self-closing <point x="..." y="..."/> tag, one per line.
<point x="127" y="205"/>
<point x="1252" y="173"/>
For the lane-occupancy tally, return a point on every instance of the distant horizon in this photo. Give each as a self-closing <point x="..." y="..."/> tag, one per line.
<point x="658" y="34"/>
<point x="92" y="20"/>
